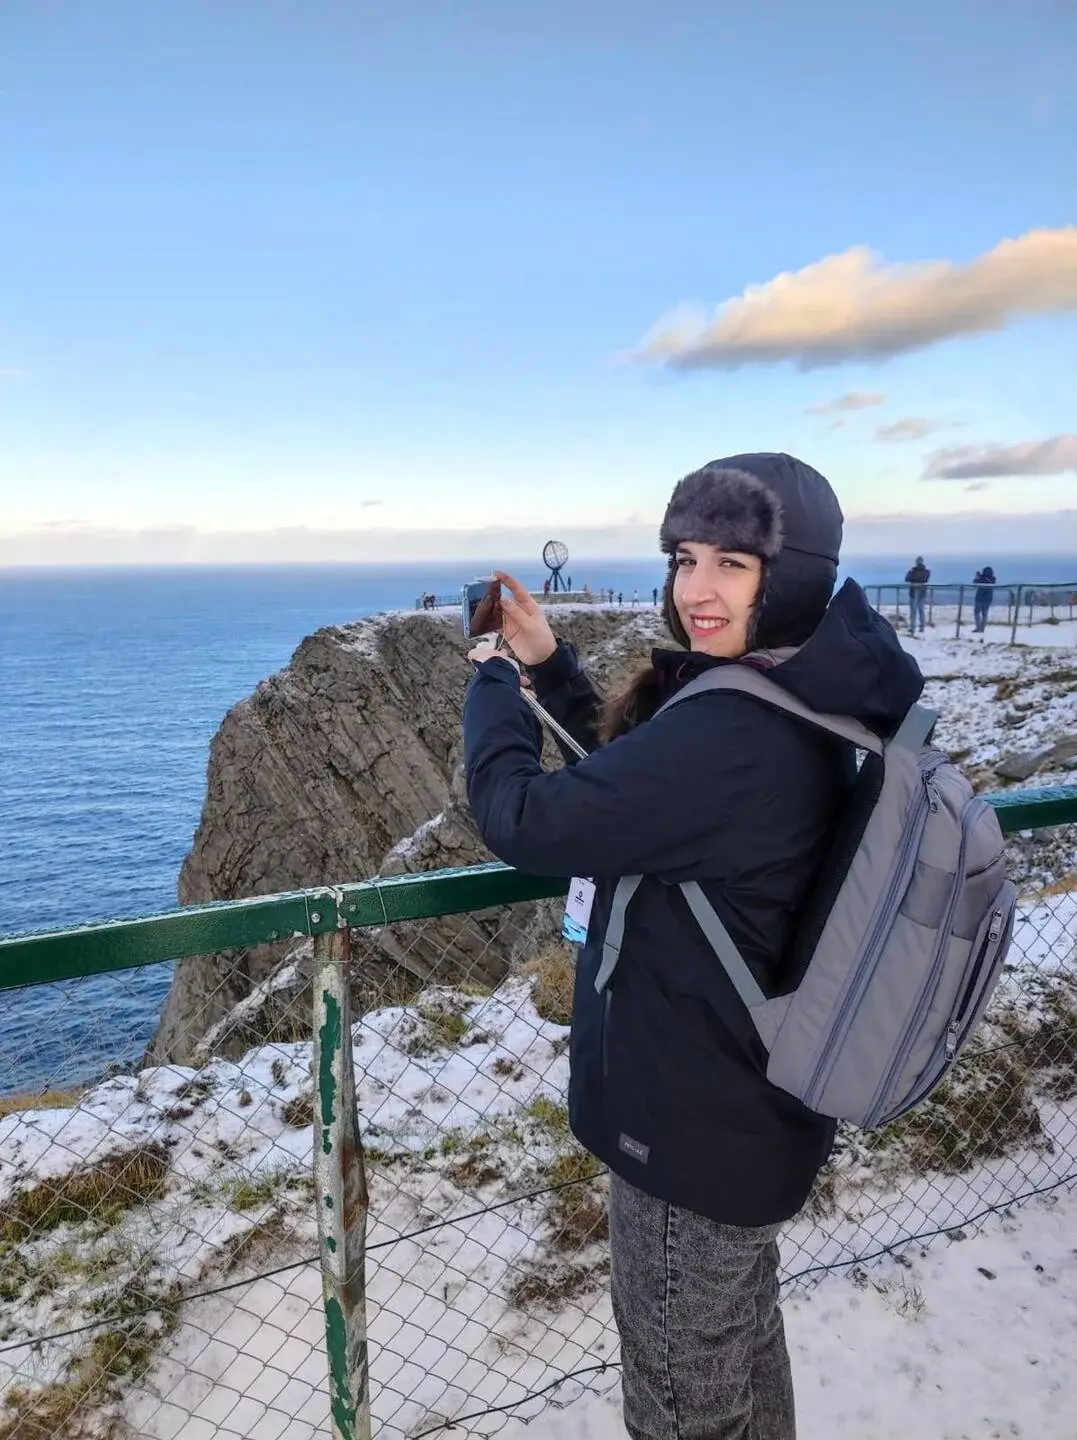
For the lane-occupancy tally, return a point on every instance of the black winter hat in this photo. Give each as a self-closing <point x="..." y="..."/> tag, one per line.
<point x="773" y="506"/>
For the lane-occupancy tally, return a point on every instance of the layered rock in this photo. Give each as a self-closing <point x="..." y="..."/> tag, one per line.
<point x="343" y="766"/>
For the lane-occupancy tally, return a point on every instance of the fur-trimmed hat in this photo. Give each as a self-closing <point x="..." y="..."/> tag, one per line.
<point x="726" y="508"/>
<point x="773" y="506"/>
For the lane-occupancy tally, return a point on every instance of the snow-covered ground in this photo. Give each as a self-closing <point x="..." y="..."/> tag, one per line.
<point x="972" y="1340"/>
<point x="201" y="1248"/>
<point x="461" y="1101"/>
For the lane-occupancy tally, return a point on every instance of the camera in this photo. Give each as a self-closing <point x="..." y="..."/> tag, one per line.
<point x="480" y="608"/>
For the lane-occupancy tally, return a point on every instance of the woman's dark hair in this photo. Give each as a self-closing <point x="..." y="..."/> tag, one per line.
<point x="633" y="705"/>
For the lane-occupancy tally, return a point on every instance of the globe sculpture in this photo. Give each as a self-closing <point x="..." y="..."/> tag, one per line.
<point x="555" y="557"/>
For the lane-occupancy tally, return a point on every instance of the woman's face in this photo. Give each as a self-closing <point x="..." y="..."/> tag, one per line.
<point x="714" y="594"/>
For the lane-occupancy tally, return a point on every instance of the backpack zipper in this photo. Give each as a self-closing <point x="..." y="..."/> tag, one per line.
<point x="948" y="1045"/>
<point x="974" y="808"/>
<point x="928" y="800"/>
<point x="953" y="1030"/>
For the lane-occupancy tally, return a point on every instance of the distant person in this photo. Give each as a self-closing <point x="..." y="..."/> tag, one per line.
<point x="635" y="598"/>
<point x="570" y="582"/>
<point x="985" y="583"/>
<point x="620" y="597"/>
<point x="545" y="587"/>
<point x="654" y="596"/>
<point x="916" y="579"/>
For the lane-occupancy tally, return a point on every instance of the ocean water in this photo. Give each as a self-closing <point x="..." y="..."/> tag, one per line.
<point x="112" y="683"/>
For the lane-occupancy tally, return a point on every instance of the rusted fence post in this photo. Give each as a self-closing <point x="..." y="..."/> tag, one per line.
<point x="960" y="608"/>
<point x="340" y="1191"/>
<point x="1016" y="616"/>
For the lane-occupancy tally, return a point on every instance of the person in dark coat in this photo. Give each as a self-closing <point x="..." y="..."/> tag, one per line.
<point x="985" y="583"/>
<point x="668" y="1082"/>
<point x="916" y="578"/>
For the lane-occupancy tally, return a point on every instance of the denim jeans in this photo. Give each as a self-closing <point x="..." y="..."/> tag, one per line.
<point x="916" y="608"/>
<point x="980" y="609"/>
<point x="702" y="1341"/>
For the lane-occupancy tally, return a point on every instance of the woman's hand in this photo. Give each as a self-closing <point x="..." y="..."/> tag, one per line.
<point x="525" y="626"/>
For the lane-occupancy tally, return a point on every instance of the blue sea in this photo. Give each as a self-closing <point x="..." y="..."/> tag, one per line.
<point x="112" y="684"/>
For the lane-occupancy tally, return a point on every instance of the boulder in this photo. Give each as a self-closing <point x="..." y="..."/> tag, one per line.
<point x="1024" y="765"/>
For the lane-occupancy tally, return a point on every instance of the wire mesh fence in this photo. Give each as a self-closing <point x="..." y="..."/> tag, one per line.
<point x="158" y="1231"/>
<point x="158" y="1252"/>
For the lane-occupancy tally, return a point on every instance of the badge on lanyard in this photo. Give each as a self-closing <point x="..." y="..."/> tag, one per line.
<point x="581" y="896"/>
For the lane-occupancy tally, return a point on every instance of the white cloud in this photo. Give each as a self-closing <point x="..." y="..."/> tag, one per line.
<point x="856" y="306"/>
<point x="911" y="428"/>
<point x="1056" y="456"/>
<point x="854" y="400"/>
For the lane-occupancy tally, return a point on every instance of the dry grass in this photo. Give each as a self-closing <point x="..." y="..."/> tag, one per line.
<point x="260" y="1243"/>
<point x="114" y="1358"/>
<point x="551" y="1116"/>
<point x="1050" y="1049"/>
<point x="983" y="1109"/>
<point x="554" y="972"/>
<point x="43" y="1100"/>
<point x="1062" y="886"/>
<point x="480" y="1166"/>
<point x="100" y="1192"/>
<point x="545" y="1285"/>
<point x="577" y="1213"/>
<point x="822" y="1202"/>
<point x="299" y="1111"/>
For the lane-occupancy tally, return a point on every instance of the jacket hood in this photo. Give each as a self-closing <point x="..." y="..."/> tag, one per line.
<point x="854" y="665"/>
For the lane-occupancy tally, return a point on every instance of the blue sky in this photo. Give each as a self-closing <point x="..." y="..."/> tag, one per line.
<point x="379" y="269"/>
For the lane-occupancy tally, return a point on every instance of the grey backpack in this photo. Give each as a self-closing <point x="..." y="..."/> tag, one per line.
<point x="909" y="935"/>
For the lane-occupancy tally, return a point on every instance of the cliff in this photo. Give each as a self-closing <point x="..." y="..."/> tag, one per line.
<point x="346" y="765"/>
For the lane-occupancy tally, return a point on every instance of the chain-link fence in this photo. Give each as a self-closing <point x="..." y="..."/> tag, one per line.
<point x="158" y="1251"/>
<point x="159" y="1229"/>
<point x="1001" y="612"/>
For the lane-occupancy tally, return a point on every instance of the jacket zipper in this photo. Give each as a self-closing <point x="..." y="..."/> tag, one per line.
<point x="927" y="801"/>
<point x="938" y="960"/>
<point x="607" y="1002"/>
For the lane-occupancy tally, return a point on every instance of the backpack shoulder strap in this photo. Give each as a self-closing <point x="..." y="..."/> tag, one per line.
<point x="753" y="682"/>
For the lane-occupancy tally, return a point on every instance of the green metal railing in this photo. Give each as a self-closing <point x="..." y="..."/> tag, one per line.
<point x="329" y="914"/>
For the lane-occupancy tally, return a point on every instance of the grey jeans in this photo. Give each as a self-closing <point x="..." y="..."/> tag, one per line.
<point x="702" y="1341"/>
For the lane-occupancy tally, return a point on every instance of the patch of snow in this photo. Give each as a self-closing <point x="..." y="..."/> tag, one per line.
<point x="411" y="843"/>
<point x="972" y="1339"/>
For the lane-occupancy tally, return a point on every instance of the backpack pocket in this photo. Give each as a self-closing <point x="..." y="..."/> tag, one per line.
<point x="950" y="1026"/>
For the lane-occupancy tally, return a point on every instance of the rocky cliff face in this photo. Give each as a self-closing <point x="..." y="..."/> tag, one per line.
<point x="346" y="765"/>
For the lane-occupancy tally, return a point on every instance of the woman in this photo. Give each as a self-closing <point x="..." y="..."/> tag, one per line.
<point x="708" y="1159"/>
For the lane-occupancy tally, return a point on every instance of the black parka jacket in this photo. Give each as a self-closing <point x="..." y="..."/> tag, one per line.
<point x="668" y="1083"/>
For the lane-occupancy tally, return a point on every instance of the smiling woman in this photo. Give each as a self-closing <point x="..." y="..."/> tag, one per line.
<point x="668" y="1079"/>
<point x="715" y="594"/>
